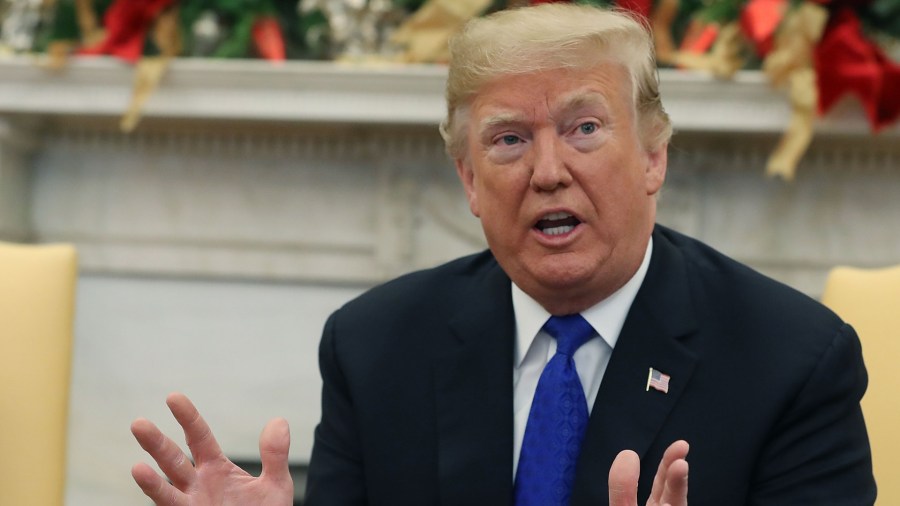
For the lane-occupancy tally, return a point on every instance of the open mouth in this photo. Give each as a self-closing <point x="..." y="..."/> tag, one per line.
<point x="557" y="223"/>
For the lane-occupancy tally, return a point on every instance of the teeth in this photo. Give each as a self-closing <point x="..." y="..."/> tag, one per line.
<point x="557" y="216"/>
<point x="559" y="230"/>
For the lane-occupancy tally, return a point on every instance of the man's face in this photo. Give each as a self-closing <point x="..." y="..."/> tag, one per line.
<point x="564" y="189"/>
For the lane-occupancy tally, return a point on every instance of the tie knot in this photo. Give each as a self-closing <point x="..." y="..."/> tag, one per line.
<point x="570" y="331"/>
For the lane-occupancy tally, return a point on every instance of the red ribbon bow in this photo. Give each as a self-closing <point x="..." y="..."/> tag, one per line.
<point x="847" y="62"/>
<point x="126" y="23"/>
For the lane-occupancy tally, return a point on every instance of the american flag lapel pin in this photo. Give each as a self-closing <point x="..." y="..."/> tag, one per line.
<point x="658" y="381"/>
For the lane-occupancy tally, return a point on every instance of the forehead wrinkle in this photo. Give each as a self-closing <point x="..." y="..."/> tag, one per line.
<point x="577" y="99"/>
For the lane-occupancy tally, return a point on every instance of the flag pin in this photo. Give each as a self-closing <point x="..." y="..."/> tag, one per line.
<point x="658" y="381"/>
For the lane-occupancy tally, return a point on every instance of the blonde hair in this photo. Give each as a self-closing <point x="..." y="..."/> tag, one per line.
<point x="552" y="36"/>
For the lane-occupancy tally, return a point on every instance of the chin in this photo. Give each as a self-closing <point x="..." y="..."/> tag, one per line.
<point x="561" y="275"/>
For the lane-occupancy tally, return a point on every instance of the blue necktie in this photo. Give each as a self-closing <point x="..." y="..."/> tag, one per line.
<point x="557" y="421"/>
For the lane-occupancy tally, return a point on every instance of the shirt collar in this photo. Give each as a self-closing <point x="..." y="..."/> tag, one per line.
<point x="607" y="316"/>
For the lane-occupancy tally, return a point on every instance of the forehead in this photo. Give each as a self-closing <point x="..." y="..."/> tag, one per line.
<point x="554" y="91"/>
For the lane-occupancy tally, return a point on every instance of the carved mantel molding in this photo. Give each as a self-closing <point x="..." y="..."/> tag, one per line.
<point x="17" y="144"/>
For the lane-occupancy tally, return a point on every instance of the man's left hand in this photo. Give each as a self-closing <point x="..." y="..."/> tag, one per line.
<point x="670" y="485"/>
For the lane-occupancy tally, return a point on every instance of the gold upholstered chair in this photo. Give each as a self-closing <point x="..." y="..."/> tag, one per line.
<point x="870" y="301"/>
<point x="37" y="293"/>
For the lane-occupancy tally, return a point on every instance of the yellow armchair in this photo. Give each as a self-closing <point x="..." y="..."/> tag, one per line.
<point x="870" y="301"/>
<point x="37" y="294"/>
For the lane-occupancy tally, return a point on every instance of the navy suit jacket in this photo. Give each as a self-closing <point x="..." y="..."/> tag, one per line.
<point x="417" y="401"/>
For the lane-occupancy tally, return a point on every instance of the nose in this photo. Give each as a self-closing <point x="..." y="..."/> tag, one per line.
<point x="548" y="169"/>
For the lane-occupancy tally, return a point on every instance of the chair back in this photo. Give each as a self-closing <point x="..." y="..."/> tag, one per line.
<point x="869" y="299"/>
<point x="37" y="293"/>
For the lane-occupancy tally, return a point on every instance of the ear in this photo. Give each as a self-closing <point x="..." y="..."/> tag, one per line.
<point x="655" y="173"/>
<point x="467" y="177"/>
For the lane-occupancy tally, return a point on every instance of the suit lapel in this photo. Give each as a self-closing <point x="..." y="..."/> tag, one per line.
<point x="625" y="414"/>
<point x="474" y="397"/>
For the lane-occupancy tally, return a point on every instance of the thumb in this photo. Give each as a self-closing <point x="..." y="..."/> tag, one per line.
<point x="623" y="479"/>
<point x="274" y="443"/>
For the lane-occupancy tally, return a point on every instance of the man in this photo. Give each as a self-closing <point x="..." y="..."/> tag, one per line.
<point x="573" y="361"/>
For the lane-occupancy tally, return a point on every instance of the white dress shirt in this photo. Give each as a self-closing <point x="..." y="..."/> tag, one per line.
<point x="534" y="347"/>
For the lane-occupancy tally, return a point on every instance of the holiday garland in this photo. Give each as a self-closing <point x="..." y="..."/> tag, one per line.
<point x="819" y="51"/>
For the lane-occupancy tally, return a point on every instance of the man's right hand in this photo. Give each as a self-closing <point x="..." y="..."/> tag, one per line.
<point x="212" y="479"/>
<point x="670" y="485"/>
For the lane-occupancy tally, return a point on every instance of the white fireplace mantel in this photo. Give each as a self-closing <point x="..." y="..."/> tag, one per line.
<point x="311" y="91"/>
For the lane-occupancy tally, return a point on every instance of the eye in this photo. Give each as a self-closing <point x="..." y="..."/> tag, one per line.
<point x="510" y="140"/>
<point x="587" y="128"/>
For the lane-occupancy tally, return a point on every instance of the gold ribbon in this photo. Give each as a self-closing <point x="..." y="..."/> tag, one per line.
<point x="151" y="69"/>
<point x="790" y="64"/>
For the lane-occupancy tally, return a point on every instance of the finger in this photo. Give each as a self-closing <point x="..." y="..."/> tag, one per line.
<point x="676" y="484"/>
<point x="274" y="443"/>
<point x="168" y="456"/>
<point x="197" y="433"/>
<point x="623" y="479"/>
<point x="676" y="451"/>
<point x="157" y="489"/>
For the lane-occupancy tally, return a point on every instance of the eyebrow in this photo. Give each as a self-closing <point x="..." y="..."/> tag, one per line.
<point x="501" y="119"/>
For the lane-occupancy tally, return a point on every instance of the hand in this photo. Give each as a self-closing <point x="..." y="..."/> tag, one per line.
<point x="669" y="486"/>
<point x="212" y="480"/>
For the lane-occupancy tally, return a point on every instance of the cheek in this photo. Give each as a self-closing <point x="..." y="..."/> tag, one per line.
<point x="500" y="199"/>
<point x="501" y="182"/>
<point x="616" y="189"/>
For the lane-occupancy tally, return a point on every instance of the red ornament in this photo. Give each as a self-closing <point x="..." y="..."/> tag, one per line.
<point x="760" y="20"/>
<point x="268" y="39"/>
<point x="700" y="38"/>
